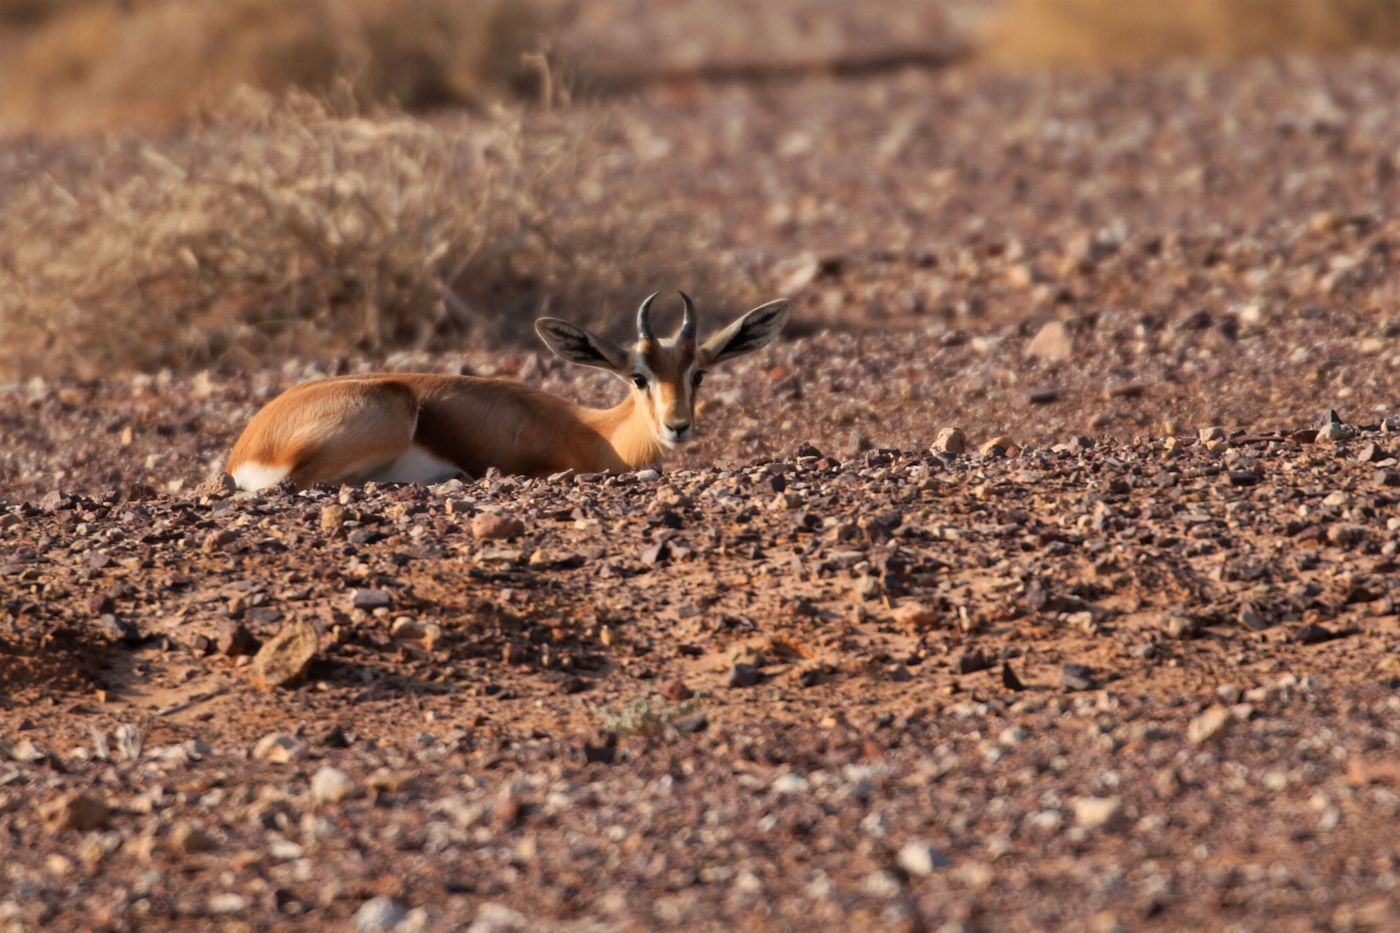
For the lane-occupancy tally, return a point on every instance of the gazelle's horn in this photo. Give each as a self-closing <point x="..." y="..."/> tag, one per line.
<point x="688" y="322"/>
<point x="644" y="319"/>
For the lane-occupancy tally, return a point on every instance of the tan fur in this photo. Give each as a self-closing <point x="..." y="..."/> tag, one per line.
<point x="344" y="428"/>
<point x="405" y="428"/>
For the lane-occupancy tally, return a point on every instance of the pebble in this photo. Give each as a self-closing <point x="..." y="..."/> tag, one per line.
<point x="950" y="441"/>
<point x="790" y="783"/>
<point x="1051" y="342"/>
<point x="1096" y="812"/>
<point x="489" y="527"/>
<point x="331" y="785"/>
<point x="1076" y="677"/>
<point x="1211" y="726"/>
<point x="744" y="675"/>
<point x="228" y="903"/>
<point x="370" y="599"/>
<point x="277" y="748"/>
<point x="1331" y="432"/>
<point x="920" y="859"/>
<point x="332" y="517"/>
<point x="378" y="914"/>
<point x="284" y="659"/>
<point x="998" y="446"/>
<point x="233" y="638"/>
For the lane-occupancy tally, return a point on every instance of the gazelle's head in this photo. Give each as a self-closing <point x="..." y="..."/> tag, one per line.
<point x="665" y="372"/>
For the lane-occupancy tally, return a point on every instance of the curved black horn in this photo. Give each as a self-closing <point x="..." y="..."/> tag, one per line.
<point x="644" y="319"/>
<point x="688" y="322"/>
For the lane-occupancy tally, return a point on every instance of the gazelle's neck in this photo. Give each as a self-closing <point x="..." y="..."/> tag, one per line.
<point x="627" y="431"/>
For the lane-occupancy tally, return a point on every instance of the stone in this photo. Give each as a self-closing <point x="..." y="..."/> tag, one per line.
<point x="998" y="446"/>
<point x="489" y="527"/>
<point x="370" y="600"/>
<point x="277" y="748"/>
<point x="950" y="441"/>
<point x="1076" y="677"/>
<point x="75" y="810"/>
<point x="380" y="914"/>
<point x="1097" y="812"/>
<point x="1211" y="726"/>
<point x="1051" y="342"/>
<point x="285" y="658"/>
<point x="186" y="838"/>
<point x="919" y="858"/>
<point x="228" y="903"/>
<point x="1331" y="433"/>
<point x="332" y="517"/>
<point x="233" y="638"/>
<point x="332" y="785"/>
<point x="744" y="675"/>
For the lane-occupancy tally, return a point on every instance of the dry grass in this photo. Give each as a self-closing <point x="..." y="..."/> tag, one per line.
<point x="101" y="64"/>
<point x="1128" y="32"/>
<point x="284" y="226"/>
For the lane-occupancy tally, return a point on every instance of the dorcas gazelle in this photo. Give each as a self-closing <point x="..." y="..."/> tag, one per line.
<point x="422" y="428"/>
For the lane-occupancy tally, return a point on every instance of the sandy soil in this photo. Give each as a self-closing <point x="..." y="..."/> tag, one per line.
<point x="1115" y="671"/>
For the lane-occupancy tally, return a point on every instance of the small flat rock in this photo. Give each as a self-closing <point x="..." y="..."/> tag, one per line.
<point x="371" y="599"/>
<point x="744" y="675"/>
<point x="380" y="914"/>
<point x="1043" y="396"/>
<point x="1051" y="342"/>
<point x="1314" y="634"/>
<point x="1097" y="812"/>
<point x="233" y="638"/>
<point x="1211" y="726"/>
<point x="950" y="441"/>
<point x="1331" y="432"/>
<point x="186" y="838"/>
<point x="1245" y="478"/>
<point x="228" y="903"/>
<point x="277" y="748"/>
<point x="1077" y="677"/>
<point x="122" y="631"/>
<point x="918" y="858"/>
<point x="1009" y="680"/>
<point x="332" y="517"/>
<point x="332" y="785"/>
<point x="489" y="527"/>
<point x="284" y="659"/>
<point x="999" y="446"/>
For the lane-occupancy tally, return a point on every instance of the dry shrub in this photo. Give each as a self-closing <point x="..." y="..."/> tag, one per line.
<point x="1133" y="32"/>
<point x="104" y="64"/>
<point x="281" y="227"/>
<point x="287" y="227"/>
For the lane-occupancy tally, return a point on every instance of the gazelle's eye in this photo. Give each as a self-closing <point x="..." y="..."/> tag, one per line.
<point x="639" y="381"/>
<point x="697" y="378"/>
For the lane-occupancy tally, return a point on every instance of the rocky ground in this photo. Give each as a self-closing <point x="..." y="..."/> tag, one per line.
<point x="1120" y="654"/>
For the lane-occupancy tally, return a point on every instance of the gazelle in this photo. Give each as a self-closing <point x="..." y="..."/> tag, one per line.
<point x="423" y="428"/>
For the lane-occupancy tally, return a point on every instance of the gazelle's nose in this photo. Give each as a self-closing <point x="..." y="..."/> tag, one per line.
<point x="678" y="427"/>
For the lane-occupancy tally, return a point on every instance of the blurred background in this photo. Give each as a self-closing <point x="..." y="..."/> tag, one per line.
<point x="229" y="183"/>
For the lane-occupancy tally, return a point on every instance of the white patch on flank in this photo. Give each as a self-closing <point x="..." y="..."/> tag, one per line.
<point x="417" y="465"/>
<point x="253" y="475"/>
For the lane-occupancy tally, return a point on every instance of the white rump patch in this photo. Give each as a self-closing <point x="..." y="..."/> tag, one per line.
<point x="252" y="475"/>
<point x="417" y="465"/>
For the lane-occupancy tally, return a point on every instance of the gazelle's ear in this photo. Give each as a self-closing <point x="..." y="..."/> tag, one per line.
<point x="576" y="345"/>
<point x="751" y="332"/>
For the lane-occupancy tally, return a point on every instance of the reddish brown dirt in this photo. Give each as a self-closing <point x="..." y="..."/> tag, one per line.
<point x="860" y="654"/>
